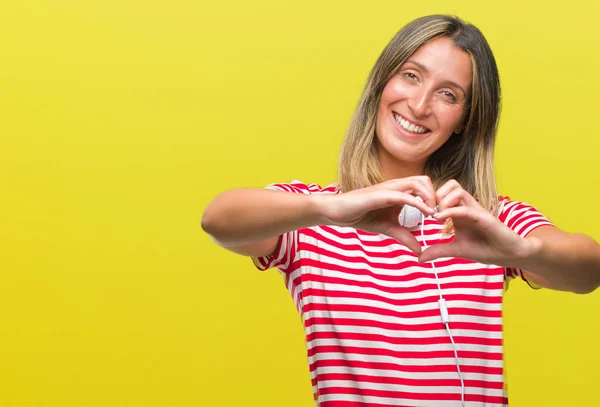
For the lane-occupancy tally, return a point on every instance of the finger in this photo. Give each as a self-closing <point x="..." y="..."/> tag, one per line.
<point x="427" y="192"/>
<point x="452" y="199"/>
<point x="405" y="237"/>
<point x="468" y="199"/>
<point x="427" y="181"/>
<point x="446" y="189"/>
<point x="386" y="198"/>
<point x="452" y="194"/>
<point x="420" y="205"/>
<point x="458" y="212"/>
<point x="416" y="186"/>
<point x="440" y="250"/>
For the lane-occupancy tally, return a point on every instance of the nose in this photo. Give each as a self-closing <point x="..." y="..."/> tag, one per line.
<point x="419" y="103"/>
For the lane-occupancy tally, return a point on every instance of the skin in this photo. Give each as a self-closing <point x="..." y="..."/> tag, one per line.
<point x="429" y="90"/>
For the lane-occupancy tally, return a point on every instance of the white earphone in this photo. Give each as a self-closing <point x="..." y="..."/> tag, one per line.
<point x="410" y="217"/>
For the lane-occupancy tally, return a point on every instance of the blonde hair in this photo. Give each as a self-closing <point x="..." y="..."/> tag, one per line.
<point x="467" y="157"/>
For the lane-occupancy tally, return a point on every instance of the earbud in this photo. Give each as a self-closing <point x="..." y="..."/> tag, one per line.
<point x="410" y="216"/>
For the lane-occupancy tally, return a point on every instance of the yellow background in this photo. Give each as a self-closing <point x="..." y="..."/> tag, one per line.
<point x="121" y="120"/>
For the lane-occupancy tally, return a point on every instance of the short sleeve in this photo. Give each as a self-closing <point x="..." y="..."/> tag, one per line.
<point x="522" y="218"/>
<point x="285" y="253"/>
<point x="282" y="256"/>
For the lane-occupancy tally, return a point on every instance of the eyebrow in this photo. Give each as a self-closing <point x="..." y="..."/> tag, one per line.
<point x="424" y="69"/>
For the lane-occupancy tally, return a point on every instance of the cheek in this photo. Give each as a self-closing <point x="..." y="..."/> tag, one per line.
<point x="451" y="118"/>
<point x="393" y="91"/>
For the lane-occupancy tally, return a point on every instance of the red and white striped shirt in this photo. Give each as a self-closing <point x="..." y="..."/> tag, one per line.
<point x="370" y="313"/>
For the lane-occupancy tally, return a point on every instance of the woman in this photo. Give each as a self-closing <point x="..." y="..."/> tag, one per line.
<point x="399" y="315"/>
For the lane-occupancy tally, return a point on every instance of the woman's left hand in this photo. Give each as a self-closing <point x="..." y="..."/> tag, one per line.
<point x="478" y="234"/>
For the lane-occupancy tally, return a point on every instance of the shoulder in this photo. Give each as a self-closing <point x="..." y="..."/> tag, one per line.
<point x="520" y="216"/>
<point x="508" y="207"/>
<point x="301" y="187"/>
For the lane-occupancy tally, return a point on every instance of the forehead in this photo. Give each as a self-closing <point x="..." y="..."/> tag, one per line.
<point x="445" y="61"/>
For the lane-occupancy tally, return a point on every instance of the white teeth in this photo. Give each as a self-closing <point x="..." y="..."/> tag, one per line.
<point x="413" y="128"/>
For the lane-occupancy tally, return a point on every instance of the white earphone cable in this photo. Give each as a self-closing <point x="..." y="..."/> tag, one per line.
<point x="445" y="316"/>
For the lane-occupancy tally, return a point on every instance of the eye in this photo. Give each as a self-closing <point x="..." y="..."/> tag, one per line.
<point x="449" y="95"/>
<point x="411" y="76"/>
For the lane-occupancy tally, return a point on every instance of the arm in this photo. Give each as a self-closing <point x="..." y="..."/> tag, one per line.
<point x="562" y="261"/>
<point x="249" y="221"/>
<point x="553" y="258"/>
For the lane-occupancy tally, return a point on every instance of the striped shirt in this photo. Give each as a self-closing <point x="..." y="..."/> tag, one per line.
<point x="369" y="309"/>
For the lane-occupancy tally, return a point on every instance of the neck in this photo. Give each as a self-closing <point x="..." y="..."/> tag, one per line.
<point x="391" y="168"/>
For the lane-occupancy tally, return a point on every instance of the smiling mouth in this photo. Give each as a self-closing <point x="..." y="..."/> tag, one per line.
<point x="409" y="127"/>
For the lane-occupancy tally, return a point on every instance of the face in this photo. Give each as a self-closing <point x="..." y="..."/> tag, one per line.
<point x="421" y="106"/>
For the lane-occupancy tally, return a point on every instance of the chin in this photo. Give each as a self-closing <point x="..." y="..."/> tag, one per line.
<point x="397" y="152"/>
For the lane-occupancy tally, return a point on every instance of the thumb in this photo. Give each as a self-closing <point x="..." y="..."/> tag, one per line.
<point x="439" y="250"/>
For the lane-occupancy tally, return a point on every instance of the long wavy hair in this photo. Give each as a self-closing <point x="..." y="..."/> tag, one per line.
<point x="467" y="157"/>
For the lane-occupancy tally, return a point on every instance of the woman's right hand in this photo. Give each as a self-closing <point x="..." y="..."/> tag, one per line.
<point x="376" y="208"/>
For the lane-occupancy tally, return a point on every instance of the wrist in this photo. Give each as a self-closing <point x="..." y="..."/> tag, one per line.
<point x="320" y="209"/>
<point x="529" y="254"/>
